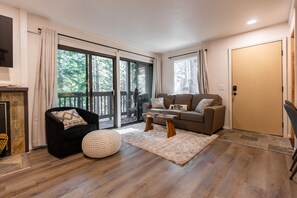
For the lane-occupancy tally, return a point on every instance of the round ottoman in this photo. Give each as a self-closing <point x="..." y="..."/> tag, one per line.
<point x="101" y="143"/>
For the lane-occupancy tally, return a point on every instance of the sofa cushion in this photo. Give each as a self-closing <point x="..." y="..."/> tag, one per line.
<point x="70" y="118"/>
<point x="79" y="131"/>
<point x="203" y="104"/>
<point x="217" y="100"/>
<point x="178" y="107"/>
<point x="168" y="100"/>
<point x="184" y="99"/>
<point x="192" y="116"/>
<point x="157" y="103"/>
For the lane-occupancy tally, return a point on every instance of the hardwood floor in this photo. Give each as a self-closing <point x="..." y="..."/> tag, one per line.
<point x="223" y="169"/>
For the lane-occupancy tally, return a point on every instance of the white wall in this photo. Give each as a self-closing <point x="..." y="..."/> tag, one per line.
<point x="14" y="75"/>
<point x="218" y="59"/>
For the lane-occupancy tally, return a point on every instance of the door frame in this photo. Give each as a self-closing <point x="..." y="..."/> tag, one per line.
<point x="286" y="132"/>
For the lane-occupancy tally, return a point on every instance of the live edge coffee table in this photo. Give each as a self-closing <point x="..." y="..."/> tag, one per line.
<point x="168" y="118"/>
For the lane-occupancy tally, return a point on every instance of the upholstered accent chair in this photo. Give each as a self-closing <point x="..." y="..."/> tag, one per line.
<point x="292" y="113"/>
<point x="61" y="142"/>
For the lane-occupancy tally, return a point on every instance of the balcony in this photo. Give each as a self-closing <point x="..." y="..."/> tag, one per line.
<point x="103" y="104"/>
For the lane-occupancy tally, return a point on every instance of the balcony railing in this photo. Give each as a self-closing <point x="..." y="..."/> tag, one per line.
<point x="100" y="102"/>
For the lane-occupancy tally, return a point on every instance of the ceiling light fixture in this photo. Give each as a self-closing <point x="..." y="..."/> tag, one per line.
<point x="251" y="22"/>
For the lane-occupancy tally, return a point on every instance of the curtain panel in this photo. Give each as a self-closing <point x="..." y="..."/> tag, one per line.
<point x="157" y="72"/>
<point x="202" y="72"/>
<point x="45" y="84"/>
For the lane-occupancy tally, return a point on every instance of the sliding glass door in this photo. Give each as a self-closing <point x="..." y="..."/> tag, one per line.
<point x="102" y="93"/>
<point x="86" y="80"/>
<point x="136" y="88"/>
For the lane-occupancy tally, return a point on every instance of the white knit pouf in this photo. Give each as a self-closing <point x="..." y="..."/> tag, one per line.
<point x="101" y="143"/>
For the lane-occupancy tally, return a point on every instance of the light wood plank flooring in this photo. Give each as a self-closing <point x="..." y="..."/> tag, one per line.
<point x="221" y="170"/>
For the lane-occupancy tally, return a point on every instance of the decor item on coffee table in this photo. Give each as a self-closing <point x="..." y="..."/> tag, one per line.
<point x="62" y="142"/>
<point x="179" y="149"/>
<point x="101" y="143"/>
<point x="168" y="118"/>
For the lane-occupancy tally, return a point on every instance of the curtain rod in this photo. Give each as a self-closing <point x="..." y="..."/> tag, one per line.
<point x="72" y="37"/>
<point x="184" y="54"/>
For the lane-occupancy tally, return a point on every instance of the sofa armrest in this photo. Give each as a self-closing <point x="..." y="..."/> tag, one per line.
<point x="214" y="118"/>
<point x="146" y="106"/>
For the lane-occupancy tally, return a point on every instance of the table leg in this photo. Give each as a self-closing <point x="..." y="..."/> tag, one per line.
<point x="170" y="128"/>
<point x="148" y="123"/>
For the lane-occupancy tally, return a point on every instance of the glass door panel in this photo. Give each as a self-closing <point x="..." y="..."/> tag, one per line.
<point x="72" y="79"/>
<point x="102" y="95"/>
<point x="125" y="90"/>
<point x="145" y="79"/>
<point x="136" y="87"/>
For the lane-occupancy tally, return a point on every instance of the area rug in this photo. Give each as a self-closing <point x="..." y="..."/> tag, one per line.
<point x="13" y="163"/>
<point x="179" y="149"/>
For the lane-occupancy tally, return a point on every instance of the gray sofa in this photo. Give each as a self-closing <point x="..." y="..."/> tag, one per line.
<point x="209" y="122"/>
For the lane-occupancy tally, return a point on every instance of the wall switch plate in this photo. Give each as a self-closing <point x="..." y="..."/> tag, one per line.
<point x="221" y="87"/>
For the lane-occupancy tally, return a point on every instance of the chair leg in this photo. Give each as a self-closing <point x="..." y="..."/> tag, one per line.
<point x="293" y="164"/>
<point x="294" y="155"/>
<point x="293" y="173"/>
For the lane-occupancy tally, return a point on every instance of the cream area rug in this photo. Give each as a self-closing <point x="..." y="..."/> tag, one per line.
<point x="180" y="148"/>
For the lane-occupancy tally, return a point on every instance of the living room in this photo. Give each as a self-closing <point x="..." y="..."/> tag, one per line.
<point x="266" y="179"/>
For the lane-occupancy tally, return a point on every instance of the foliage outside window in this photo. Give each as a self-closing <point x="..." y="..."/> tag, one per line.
<point x="102" y="72"/>
<point x="71" y="73"/>
<point x="185" y="75"/>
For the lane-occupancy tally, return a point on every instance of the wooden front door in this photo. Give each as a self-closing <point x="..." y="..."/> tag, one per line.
<point x="257" y="88"/>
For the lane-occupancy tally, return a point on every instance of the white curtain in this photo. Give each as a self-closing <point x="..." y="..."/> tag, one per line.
<point x="45" y="84"/>
<point x="157" y="75"/>
<point x="202" y="72"/>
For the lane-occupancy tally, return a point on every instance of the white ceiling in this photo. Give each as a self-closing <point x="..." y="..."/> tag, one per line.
<point x="161" y="25"/>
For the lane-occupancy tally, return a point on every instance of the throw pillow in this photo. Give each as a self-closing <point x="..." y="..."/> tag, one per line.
<point x="203" y="104"/>
<point x="157" y="103"/>
<point x="70" y="118"/>
<point x="178" y="107"/>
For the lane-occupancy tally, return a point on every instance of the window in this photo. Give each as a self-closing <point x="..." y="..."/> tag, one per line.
<point x="185" y="75"/>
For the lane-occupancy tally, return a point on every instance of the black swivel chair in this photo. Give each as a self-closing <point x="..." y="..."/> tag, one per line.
<point x="60" y="142"/>
<point x="292" y="113"/>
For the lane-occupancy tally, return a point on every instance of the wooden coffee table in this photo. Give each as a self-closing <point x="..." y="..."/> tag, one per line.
<point x="168" y="118"/>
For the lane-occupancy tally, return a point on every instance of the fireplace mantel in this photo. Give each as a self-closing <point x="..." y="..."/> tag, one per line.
<point x="13" y="89"/>
<point x="18" y="99"/>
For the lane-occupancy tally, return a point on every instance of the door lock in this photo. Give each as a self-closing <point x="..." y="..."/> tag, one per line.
<point x="234" y="89"/>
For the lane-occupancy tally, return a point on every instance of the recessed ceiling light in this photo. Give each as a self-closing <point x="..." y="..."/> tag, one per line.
<point x="252" y="21"/>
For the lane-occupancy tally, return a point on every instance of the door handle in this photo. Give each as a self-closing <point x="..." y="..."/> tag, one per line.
<point x="234" y="89"/>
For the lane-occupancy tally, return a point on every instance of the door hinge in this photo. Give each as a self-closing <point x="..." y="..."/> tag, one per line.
<point x="282" y="89"/>
<point x="282" y="124"/>
<point x="282" y="53"/>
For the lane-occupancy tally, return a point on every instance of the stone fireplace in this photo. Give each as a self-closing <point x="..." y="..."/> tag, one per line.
<point x="14" y="119"/>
